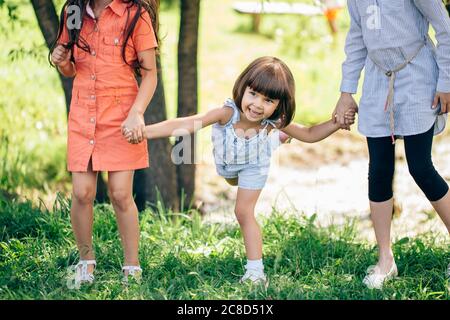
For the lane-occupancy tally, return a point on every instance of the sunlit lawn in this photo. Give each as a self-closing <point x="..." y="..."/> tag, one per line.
<point x="183" y="258"/>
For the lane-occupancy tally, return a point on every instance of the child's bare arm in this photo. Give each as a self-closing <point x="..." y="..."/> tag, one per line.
<point x="311" y="134"/>
<point x="61" y="59"/>
<point x="69" y="70"/>
<point x="187" y="125"/>
<point x="134" y="122"/>
<point x="317" y="132"/>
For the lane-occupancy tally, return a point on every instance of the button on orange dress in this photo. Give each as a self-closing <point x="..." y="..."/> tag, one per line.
<point x="104" y="91"/>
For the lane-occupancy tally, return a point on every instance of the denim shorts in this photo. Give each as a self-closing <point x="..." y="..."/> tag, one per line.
<point x="250" y="176"/>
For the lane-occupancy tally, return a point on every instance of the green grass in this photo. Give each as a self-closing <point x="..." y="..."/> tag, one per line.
<point x="183" y="258"/>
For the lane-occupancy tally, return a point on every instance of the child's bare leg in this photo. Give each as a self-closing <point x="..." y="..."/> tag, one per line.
<point x="81" y="212"/>
<point x="120" y="185"/>
<point x="442" y="207"/>
<point x="245" y="214"/>
<point x="381" y="215"/>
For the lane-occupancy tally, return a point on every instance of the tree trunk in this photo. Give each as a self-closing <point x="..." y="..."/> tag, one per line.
<point x="48" y="23"/>
<point x="187" y="94"/>
<point x="160" y="177"/>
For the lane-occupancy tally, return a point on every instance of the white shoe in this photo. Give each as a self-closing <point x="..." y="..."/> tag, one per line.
<point x="254" y="276"/>
<point x="132" y="271"/>
<point x="375" y="279"/>
<point x="78" y="274"/>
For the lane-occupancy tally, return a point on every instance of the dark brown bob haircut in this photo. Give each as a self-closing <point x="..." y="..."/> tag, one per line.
<point x="271" y="77"/>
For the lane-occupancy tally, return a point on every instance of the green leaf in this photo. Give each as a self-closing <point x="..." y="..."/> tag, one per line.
<point x="402" y="241"/>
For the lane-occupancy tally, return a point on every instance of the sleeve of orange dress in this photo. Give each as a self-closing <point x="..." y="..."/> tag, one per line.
<point x="144" y="36"/>
<point x="64" y="34"/>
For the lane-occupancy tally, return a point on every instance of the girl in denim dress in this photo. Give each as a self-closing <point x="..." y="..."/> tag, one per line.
<point x="245" y="132"/>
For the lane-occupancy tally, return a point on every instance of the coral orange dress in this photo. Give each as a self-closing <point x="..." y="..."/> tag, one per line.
<point x="104" y="91"/>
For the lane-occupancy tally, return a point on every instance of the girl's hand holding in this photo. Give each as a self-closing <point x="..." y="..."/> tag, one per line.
<point x="345" y="103"/>
<point x="133" y="128"/>
<point x="60" y="56"/>
<point x="350" y="116"/>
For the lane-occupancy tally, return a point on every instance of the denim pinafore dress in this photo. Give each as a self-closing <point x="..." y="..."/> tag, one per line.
<point x="242" y="158"/>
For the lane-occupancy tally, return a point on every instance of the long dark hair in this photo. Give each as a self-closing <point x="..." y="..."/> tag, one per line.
<point x="75" y="38"/>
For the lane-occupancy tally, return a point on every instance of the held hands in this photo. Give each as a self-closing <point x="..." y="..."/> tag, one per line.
<point x="60" y="56"/>
<point x="350" y="116"/>
<point x="344" y="113"/>
<point x="444" y="98"/>
<point x="133" y="128"/>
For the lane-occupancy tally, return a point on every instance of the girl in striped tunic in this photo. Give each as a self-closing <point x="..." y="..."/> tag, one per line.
<point x="406" y="94"/>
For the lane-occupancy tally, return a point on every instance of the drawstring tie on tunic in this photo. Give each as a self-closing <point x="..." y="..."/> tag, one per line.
<point x="391" y="74"/>
<point x="390" y="100"/>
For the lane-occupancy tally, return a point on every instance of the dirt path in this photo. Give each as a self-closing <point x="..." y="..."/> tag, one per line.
<point x="323" y="178"/>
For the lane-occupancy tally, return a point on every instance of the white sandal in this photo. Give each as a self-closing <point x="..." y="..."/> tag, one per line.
<point x="375" y="280"/>
<point x="78" y="274"/>
<point x="133" y="271"/>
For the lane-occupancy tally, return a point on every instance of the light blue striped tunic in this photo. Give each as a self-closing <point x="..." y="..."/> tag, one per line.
<point x="386" y="33"/>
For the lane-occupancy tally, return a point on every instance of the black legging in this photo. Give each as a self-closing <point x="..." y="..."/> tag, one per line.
<point x="418" y="156"/>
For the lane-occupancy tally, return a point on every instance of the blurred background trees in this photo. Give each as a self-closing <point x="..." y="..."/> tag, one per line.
<point x="160" y="180"/>
<point x="204" y="47"/>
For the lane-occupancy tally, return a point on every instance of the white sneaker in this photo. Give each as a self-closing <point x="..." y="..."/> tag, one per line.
<point x="254" y="276"/>
<point x="78" y="274"/>
<point x="375" y="279"/>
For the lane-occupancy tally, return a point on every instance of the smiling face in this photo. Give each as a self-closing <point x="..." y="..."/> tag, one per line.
<point x="256" y="106"/>
<point x="266" y="90"/>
